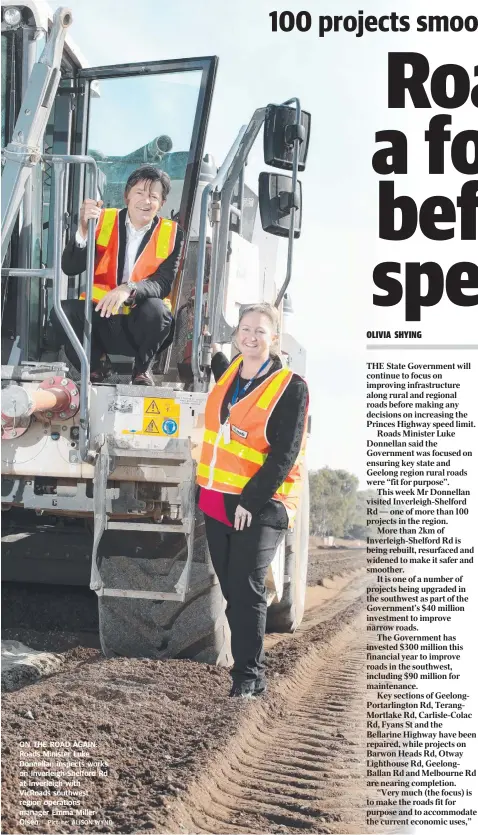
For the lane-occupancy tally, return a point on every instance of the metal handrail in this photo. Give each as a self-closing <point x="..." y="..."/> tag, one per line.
<point x="26" y="272"/>
<point x="23" y="152"/>
<point x="216" y="294"/>
<point x="295" y="171"/>
<point x="60" y="161"/>
<point x="231" y="170"/>
<point x="83" y="351"/>
<point x="215" y="185"/>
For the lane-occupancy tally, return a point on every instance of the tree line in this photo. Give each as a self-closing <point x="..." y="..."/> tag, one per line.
<point x="337" y="506"/>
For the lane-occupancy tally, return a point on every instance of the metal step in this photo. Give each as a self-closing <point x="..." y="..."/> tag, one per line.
<point x="33" y="371"/>
<point x="102" y="523"/>
<point x="119" y="452"/>
<point x="116" y="378"/>
<point x="140" y="595"/>
<point x="145" y="526"/>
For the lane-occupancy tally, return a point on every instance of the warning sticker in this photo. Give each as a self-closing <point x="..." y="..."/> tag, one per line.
<point x="153" y="408"/>
<point x="151" y="428"/>
<point x="164" y="406"/>
<point x="161" y="417"/>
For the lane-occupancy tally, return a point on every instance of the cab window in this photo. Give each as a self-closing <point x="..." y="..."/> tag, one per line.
<point x="138" y="121"/>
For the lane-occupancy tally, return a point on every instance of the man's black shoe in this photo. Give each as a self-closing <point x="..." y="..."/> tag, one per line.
<point x="142" y="378"/>
<point x="100" y="374"/>
<point x="106" y="365"/>
<point x="97" y="376"/>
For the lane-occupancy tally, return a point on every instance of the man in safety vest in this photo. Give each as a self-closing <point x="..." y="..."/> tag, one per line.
<point x="136" y="260"/>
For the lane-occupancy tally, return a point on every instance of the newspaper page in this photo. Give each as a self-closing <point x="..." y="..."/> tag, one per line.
<point x="323" y="159"/>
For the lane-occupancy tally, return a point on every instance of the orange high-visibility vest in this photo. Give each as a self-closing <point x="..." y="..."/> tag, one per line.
<point x="159" y="247"/>
<point x="227" y="467"/>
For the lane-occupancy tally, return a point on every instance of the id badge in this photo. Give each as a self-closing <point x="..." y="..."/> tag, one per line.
<point x="226" y="432"/>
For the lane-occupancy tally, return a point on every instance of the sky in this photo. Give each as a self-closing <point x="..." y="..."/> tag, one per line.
<point x="342" y="80"/>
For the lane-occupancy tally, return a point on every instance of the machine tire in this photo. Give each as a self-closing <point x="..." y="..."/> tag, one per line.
<point x="196" y="628"/>
<point x="286" y="615"/>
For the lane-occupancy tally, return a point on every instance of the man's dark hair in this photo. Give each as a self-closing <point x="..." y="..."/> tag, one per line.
<point x="151" y="174"/>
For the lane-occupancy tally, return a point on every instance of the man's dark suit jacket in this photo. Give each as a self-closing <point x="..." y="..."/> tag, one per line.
<point x="158" y="285"/>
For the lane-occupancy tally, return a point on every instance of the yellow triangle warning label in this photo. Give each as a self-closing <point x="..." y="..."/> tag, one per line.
<point x="152" y="428"/>
<point x="152" y="409"/>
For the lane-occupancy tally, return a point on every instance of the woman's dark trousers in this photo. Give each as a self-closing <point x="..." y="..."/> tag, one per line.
<point x="241" y="560"/>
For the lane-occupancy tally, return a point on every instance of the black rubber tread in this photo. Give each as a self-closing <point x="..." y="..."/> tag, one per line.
<point x="132" y="627"/>
<point x="129" y="627"/>
<point x="286" y="615"/>
<point x="34" y="552"/>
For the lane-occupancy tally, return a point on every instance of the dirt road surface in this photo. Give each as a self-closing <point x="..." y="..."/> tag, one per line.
<point x="168" y="751"/>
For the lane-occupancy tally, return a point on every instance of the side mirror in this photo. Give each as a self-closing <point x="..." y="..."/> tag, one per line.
<point x="276" y="200"/>
<point x="280" y="132"/>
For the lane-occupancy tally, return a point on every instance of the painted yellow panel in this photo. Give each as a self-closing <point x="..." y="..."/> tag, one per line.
<point x="161" y="417"/>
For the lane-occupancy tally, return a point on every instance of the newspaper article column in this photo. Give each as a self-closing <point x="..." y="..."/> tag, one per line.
<point x="421" y="417"/>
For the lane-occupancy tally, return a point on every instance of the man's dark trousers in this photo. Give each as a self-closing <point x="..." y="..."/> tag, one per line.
<point x="140" y="334"/>
<point x="241" y="560"/>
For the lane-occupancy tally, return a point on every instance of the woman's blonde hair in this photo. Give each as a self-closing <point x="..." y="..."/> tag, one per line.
<point x="267" y="310"/>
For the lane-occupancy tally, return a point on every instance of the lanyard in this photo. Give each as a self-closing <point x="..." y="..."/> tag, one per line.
<point x="239" y="392"/>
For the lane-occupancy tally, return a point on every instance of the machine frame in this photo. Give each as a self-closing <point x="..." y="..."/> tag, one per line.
<point x="98" y="459"/>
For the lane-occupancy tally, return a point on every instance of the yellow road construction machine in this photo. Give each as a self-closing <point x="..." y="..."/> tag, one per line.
<point x="98" y="481"/>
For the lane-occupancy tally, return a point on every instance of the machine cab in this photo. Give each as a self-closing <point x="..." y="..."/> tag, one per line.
<point x="123" y="116"/>
<point x="119" y="461"/>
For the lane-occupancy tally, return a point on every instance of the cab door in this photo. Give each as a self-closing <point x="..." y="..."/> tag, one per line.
<point x="127" y="115"/>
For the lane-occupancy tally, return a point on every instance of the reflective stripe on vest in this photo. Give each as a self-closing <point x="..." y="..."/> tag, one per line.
<point x="229" y="372"/>
<point x="105" y="227"/>
<point x="229" y="479"/>
<point x="272" y="389"/>
<point x="224" y="477"/>
<point x="241" y="450"/>
<point x="158" y="248"/>
<point x="166" y="238"/>
<point x="227" y="467"/>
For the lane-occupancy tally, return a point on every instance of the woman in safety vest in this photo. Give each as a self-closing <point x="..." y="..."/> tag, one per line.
<point x="249" y="476"/>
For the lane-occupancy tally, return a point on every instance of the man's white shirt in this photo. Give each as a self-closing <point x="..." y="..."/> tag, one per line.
<point x="133" y="240"/>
